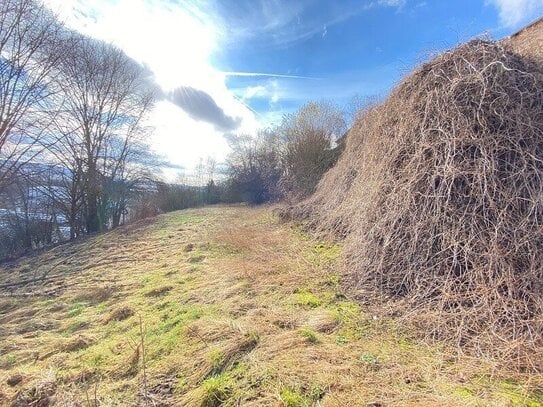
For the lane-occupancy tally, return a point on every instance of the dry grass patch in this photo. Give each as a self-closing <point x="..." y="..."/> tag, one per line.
<point x="78" y="343"/>
<point x="323" y="321"/>
<point x="41" y="393"/>
<point x="120" y="314"/>
<point x="159" y="291"/>
<point x="95" y="295"/>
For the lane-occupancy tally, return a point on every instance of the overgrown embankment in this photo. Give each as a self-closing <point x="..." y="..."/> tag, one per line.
<point x="438" y="196"/>
<point x="232" y="308"/>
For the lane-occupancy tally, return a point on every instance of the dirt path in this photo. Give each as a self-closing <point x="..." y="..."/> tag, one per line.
<point x="236" y="309"/>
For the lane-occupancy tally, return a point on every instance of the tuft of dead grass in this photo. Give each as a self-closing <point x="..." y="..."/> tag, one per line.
<point x="14" y="379"/>
<point x="78" y="343"/>
<point x="158" y="291"/>
<point x="95" y="295"/>
<point x="120" y="314"/>
<point x="323" y="321"/>
<point x="41" y="393"/>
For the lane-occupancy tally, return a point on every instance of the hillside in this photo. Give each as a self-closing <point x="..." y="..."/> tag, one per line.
<point x="235" y="308"/>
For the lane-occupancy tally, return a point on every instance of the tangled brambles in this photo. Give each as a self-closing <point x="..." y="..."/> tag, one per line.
<point x="439" y="195"/>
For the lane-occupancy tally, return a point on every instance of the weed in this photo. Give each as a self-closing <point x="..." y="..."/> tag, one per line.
<point x="368" y="359"/>
<point x="101" y="308"/>
<point x="216" y="390"/>
<point x="341" y="340"/>
<point x="310" y="335"/>
<point x="195" y="267"/>
<point x="216" y="359"/>
<point x="8" y="361"/>
<point x="293" y="398"/>
<point x="315" y="392"/>
<point x="333" y="280"/>
<point x="307" y="298"/>
<point x="96" y="360"/>
<point x="76" y="309"/>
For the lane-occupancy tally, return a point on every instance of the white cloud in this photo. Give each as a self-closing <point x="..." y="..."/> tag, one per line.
<point x="517" y="12"/>
<point x="274" y="91"/>
<point x="392" y="3"/>
<point x="174" y="127"/>
<point x="254" y="91"/>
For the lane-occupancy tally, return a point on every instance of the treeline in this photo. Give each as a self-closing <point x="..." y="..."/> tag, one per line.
<point x="284" y="162"/>
<point x="287" y="161"/>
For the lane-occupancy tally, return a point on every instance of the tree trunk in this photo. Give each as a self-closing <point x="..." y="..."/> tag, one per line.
<point x="93" y="222"/>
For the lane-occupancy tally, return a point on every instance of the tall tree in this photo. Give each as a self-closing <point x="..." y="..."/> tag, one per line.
<point x="105" y="96"/>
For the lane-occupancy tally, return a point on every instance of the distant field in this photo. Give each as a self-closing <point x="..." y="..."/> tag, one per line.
<point x="232" y="308"/>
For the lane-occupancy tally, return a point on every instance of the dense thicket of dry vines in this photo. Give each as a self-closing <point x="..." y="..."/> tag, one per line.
<point x="440" y="197"/>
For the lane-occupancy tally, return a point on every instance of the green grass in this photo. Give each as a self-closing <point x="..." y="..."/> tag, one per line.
<point x="76" y="309"/>
<point x="310" y="336"/>
<point x="216" y="359"/>
<point x="292" y="398"/>
<point x="308" y="299"/>
<point x="196" y="258"/>
<point x="217" y="390"/>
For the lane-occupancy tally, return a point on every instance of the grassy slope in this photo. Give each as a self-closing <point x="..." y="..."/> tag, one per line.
<point x="236" y="308"/>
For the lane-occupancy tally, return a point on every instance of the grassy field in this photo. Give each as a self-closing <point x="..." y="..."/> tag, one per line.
<point x="218" y="306"/>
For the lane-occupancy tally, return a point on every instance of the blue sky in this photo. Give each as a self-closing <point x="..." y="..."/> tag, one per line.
<point x="348" y="47"/>
<point x="234" y="66"/>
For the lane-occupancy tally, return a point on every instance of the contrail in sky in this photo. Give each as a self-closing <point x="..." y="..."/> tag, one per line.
<point x="273" y="75"/>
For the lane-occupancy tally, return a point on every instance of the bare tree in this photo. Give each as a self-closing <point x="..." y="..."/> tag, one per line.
<point x="211" y="166"/>
<point x="84" y="103"/>
<point x="254" y="167"/>
<point x="30" y="38"/>
<point x="211" y="192"/>
<point x="309" y="138"/>
<point x="128" y="166"/>
<point x="105" y="96"/>
<point x="28" y="215"/>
